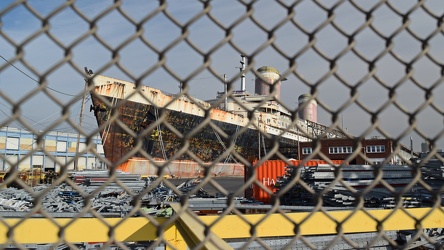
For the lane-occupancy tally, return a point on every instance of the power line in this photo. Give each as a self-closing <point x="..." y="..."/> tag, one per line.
<point x="10" y="117"/>
<point x="34" y="122"/>
<point x="1" y="110"/>
<point x="24" y="73"/>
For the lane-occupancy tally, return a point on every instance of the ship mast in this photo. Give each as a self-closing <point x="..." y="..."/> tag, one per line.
<point x="226" y="91"/>
<point x="242" y="71"/>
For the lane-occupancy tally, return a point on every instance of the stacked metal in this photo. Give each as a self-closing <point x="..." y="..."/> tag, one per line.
<point x="100" y="177"/>
<point x="116" y="196"/>
<point x="66" y="199"/>
<point x="345" y="185"/>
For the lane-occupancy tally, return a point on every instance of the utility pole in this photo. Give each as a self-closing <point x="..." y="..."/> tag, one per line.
<point x="76" y="159"/>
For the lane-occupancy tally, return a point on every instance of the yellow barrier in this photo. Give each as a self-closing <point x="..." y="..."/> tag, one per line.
<point x="43" y="230"/>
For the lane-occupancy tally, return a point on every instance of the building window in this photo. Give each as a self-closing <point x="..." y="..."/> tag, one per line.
<point x="12" y="143"/>
<point x="340" y="150"/>
<point x="61" y="146"/>
<point x="375" y="149"/>
<point x="307" y="151"/>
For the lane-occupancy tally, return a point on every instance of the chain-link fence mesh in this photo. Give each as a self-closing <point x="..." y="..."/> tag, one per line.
<point x="376" y="66"/>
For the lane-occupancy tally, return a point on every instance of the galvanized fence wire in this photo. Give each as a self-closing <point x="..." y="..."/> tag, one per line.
<point x="273" y="151"/>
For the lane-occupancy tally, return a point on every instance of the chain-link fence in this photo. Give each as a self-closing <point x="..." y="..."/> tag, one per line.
<point x="316" y="149"/>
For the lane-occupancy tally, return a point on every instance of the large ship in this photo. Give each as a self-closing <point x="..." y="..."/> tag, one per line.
<point x="144" y="122"/>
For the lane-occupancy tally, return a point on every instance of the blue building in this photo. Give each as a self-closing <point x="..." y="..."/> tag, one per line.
<point x="19" y="148"/>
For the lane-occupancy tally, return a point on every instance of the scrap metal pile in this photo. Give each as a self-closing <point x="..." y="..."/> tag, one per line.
<point x="113" y="197"/>
<point x="347" y="185"/>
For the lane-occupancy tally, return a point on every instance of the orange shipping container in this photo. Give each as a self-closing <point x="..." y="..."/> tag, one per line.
<point x="268" y="173"/>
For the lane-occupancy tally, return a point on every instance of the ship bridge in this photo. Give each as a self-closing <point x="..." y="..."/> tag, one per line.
<point x="276" y="118"/>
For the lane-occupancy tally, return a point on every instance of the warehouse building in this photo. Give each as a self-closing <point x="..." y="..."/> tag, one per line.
<point x="19" y="147"/>
<point x="372" y="151"/>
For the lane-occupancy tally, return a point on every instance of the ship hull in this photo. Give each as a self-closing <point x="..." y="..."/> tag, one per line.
<point x="164" y="139"/>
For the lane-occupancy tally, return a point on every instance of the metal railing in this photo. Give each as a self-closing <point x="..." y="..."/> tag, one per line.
<point x="379" y="62"/>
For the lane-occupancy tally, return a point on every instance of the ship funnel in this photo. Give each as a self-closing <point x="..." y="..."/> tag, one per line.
<point x="268" y="76"/>
<point x="308" y="108"/>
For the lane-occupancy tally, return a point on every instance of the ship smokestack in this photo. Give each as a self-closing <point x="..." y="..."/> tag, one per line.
<point x="242" y="71"/>
<point x="308" y="108"/>
<point x="268" y="76"/>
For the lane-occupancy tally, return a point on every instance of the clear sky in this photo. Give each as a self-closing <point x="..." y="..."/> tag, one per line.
<point x="43" y="51"/>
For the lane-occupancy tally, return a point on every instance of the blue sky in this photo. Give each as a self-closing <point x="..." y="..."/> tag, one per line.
<point x="42" y="53"/>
